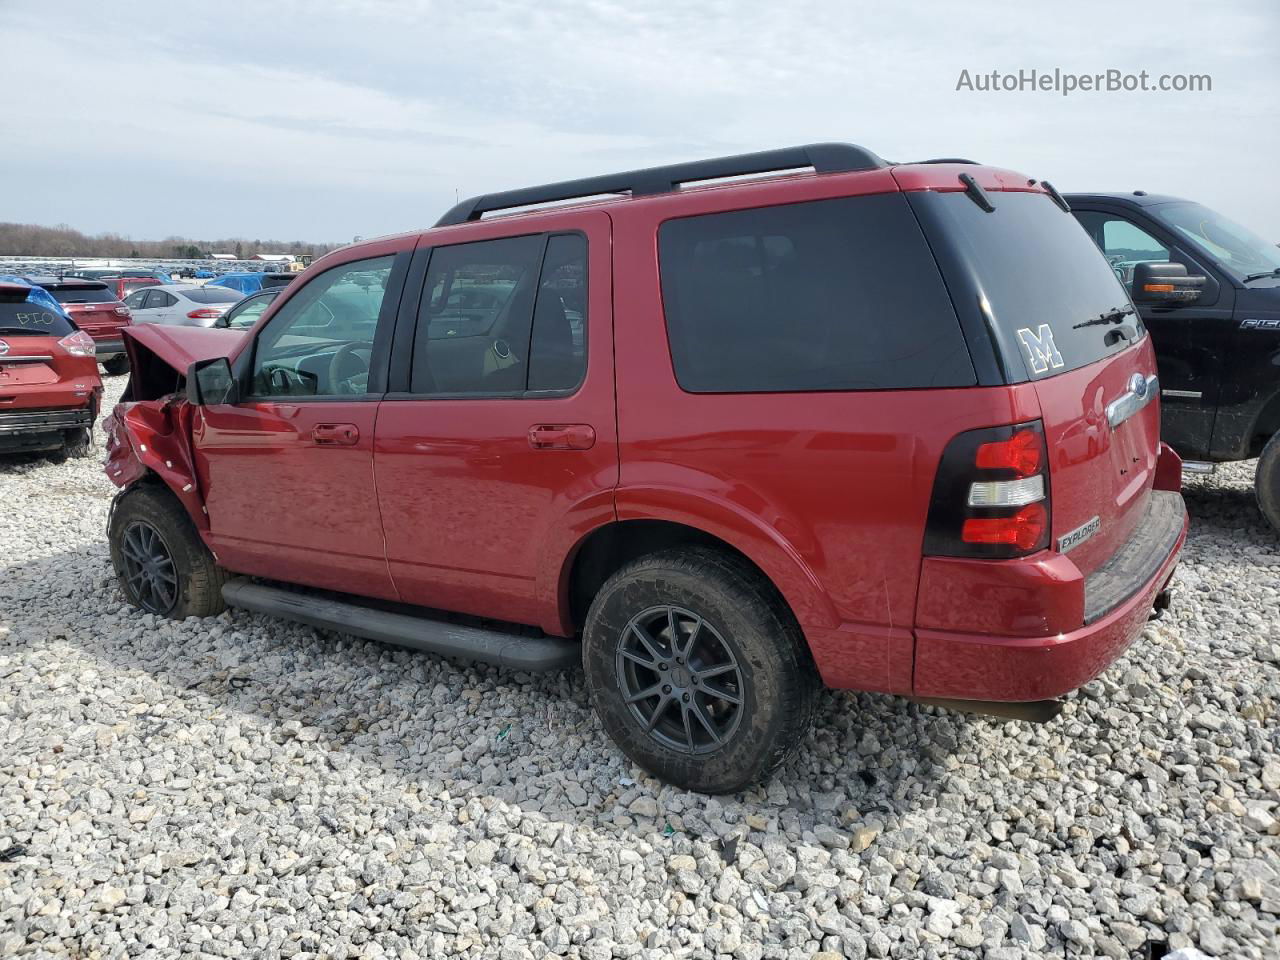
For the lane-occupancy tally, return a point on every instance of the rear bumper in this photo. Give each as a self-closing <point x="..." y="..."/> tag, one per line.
<point x="1112" y="605"/>
<point x="40" y="429"/>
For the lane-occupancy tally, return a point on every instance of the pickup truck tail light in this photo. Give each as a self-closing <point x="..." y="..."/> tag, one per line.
<point x="79" y="344"/>
<point x="991" y="494"/>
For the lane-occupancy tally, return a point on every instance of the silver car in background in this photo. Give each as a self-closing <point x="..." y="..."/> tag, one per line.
<point x="181" y="304"/>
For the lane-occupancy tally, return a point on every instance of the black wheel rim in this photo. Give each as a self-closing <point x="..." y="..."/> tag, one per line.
<point x="149" y="569"/>
<point x="679" y="678"/>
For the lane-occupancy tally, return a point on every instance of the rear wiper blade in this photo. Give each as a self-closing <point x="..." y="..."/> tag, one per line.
<point x="1110" y="316"/>
<point x="1260" y="276"/>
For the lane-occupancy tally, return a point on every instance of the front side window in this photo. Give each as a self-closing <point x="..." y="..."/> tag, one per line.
<point x="500" y="317"/>
<point x="1123" y="242"/>
<point x="246" y="314"/>
<point x="321" y="341"/>
<point x="837" y="294"/>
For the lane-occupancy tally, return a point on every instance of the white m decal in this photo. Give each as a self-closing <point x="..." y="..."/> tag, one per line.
<point x="1042" y="352"/>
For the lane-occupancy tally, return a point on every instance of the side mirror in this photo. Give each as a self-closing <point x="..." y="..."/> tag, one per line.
<point x="1165" y="283"/>
<point x="211" y="382"/>
<point x="222" y="321"/>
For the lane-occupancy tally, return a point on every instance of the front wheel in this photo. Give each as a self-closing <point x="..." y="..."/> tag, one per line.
<point x="698" y="671"/>
<point x="161" y="563"/>
<point x="1266" y="483"/>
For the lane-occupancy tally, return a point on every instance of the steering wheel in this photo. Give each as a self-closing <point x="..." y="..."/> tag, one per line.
<point x="347" y="363"/>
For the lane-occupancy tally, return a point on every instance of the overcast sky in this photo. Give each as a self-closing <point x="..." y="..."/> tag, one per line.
<point x="324" y="120"/>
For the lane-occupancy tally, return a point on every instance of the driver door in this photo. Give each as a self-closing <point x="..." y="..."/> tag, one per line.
<point x="287" y="472"/>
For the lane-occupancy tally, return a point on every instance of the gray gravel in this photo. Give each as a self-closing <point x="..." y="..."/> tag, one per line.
<point x="247" y="787"/>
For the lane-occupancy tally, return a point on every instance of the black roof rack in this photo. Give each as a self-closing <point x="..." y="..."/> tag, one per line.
<point x="822" y="157"/>
<point x="950" y="160"/>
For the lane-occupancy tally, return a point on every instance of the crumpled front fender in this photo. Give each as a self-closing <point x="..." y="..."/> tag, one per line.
<point x="154" y="436"/>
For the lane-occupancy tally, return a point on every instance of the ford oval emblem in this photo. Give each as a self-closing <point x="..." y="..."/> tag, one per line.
<point x="1138" y="385"/>
<point x="4" y="348"/>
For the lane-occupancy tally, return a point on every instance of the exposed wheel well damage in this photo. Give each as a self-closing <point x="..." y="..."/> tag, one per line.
<point x="611" y="547"/>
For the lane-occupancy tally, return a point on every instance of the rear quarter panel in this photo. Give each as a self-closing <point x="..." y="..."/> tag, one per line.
<point x="827" y="493"/>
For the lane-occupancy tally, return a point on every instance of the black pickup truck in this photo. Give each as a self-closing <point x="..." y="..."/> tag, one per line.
<point x="1208" y="290"/>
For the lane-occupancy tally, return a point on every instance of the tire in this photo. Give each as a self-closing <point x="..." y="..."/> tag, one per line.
<point x="78" y="444"/>
<point x="148" y="520"/>
<point x="116" y="365"/>
<point x="1266" y="483"/>
<point x="725" y="614"/>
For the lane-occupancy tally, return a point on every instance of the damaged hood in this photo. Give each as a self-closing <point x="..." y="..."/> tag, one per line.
<point x="160" y="355"/>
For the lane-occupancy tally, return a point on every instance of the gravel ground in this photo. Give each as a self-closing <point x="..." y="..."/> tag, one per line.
<point x="247" y="787"/>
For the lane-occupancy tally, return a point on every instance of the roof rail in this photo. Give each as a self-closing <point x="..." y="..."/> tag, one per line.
<point x="822" y="157"/>
<point x="950" y="160"/>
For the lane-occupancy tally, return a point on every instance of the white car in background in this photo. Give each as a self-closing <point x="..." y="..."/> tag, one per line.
<point x="181" y="304"/>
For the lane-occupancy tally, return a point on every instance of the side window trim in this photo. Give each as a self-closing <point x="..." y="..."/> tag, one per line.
<point x="404" y="338"/>
<point x="244" y="365"/>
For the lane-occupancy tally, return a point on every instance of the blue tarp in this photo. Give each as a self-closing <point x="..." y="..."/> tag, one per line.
<point x="37" y="295"/>
<point x="244" y="282"/>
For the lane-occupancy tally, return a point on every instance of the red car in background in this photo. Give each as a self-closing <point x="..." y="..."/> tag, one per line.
<point x="123" y="286"/>
<point x="50" y="391"/>
<point x="96" y="310"/>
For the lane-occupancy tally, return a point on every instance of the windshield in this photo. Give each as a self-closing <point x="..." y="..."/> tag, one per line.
<point x="1044" y="288"/>
<point x="1238" y="250"/>
<point x="213" y="295"/>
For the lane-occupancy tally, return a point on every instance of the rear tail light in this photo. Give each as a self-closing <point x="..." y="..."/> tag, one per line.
<point x="123" y="311"/>
<point x="204" y="314"/>
<point x="78" y="344"/>
<point x="991" y="494"/>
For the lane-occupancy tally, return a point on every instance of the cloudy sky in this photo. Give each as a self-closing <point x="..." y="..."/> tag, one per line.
<point x="324" y="120"/>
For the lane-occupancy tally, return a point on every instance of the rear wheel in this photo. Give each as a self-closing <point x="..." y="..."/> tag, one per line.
<point x="78" y="443"/>
<point x="1266" y="483"/>
<point x="160" y="561"/>
<point x="698" y="671"/>
<point x="116" y="365"/>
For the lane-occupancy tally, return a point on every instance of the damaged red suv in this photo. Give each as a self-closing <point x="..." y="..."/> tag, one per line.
<point x="884" y="427"/>
<point x="49" y="385"/>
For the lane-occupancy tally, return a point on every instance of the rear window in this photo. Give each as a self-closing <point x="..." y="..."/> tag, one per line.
<point x="836" y="294"/>
<point x="1039" y="277"/>
<point x="213" y="295"/>
<point x="82" y="294"/>
<point x="24" y="318"/>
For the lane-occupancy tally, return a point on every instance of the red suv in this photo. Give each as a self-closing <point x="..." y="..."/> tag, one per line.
<point x="49" y="385"/>
<point x="98" y="312"/>
<point x="879" y="427"/>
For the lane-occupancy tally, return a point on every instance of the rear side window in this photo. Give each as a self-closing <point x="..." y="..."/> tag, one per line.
<point x="82" y="294"/>
<point x="829" y="295"/>
<point x="1040" y="279"/>
<point x="502" y="317"/>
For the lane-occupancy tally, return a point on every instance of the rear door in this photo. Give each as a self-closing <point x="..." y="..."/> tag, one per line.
<point x="498" y="445"/>
<point x="1062" y="319"/>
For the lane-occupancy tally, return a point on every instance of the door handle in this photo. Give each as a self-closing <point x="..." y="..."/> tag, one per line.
<point x="562" y="436"/>
<point x="335" y="434"/>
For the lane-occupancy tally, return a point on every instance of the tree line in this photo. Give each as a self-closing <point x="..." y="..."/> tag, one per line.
<point x="33" y="240"/>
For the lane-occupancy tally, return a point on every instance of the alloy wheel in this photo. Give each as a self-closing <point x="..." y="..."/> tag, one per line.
<point x="149" y="569"/>
<point x="680" y="679"/>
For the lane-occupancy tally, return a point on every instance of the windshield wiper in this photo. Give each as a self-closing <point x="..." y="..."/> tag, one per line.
<point x="1110" y="316"/>
<point x="1260" y="276"/>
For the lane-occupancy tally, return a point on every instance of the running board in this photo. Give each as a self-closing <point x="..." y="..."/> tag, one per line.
<point x="510" y="650"/>
<point x="1033" y="711"/>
